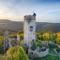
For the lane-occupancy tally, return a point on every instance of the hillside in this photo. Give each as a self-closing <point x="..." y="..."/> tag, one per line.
<point x="18" y="26"/>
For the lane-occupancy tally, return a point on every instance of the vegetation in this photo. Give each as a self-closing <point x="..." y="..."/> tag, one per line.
<point x="18" y="53"/>
<point x="15" y="53"/>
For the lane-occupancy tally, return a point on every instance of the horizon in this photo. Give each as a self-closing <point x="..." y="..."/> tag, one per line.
<point x="23" y="21"/>
<point x="46" y="10"/>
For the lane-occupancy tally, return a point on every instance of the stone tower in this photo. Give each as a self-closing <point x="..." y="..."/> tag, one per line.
<point x="29" y="28"/>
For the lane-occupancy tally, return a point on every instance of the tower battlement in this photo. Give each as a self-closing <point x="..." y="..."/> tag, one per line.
<point x="30" y="17"/>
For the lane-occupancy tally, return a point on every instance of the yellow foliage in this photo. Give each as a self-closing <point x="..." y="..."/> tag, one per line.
<point x="16" y="53"/>
<point x="58" y="37"/>
<point x="46" y="36"/>
<point x="1" y="40"/>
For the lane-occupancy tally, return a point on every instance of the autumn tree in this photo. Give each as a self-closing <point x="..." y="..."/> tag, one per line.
<point x="16" y="53"/>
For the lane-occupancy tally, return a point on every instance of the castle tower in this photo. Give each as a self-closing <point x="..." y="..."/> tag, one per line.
<point x="29" y="28"/>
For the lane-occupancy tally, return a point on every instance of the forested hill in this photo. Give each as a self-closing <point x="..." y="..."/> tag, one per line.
<point x="18" y="26"/>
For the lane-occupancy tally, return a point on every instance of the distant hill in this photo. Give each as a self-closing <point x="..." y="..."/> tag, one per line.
<point x="43" y="26"/>
<point x="18" y="26"/>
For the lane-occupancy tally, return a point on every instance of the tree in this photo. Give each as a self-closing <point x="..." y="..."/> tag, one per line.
<point x="46" y="36"/>
<point x="16" y="53"/>
<point x="1" y="44"/>
<point x="53" y="37"/>
<point x="39" y="36"/>
<point x="58" y="37"/>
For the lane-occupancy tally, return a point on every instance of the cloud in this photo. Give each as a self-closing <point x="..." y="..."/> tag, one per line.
<point x="8" y="9"/>
<point x="47" y="0"/>
<point x="16" y="9"/>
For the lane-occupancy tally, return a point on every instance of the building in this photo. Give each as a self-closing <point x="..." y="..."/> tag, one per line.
<point x="29" y="28"/>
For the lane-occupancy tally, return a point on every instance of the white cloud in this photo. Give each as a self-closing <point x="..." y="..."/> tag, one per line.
<point x="15" y="10"/>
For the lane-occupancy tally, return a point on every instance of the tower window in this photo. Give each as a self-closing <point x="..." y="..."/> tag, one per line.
<point x="31" y="28"/>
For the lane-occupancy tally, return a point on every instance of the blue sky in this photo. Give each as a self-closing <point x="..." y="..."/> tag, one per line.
<point x="46" y="10"/>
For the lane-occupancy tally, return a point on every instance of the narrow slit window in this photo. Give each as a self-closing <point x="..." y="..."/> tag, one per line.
<point x="31" y="28"/>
